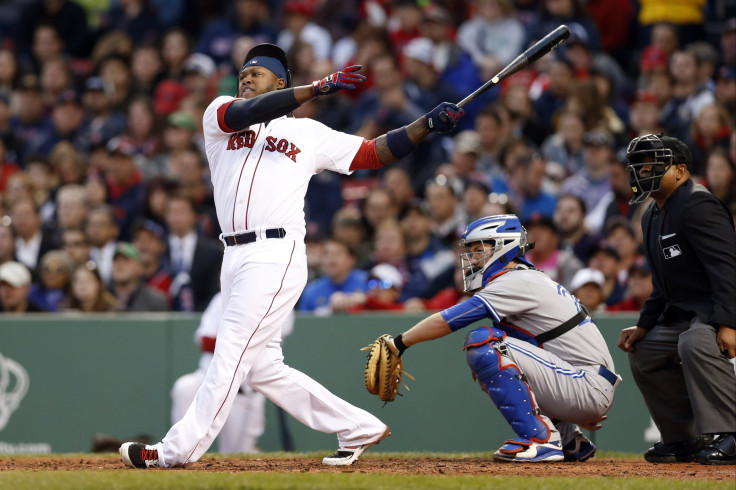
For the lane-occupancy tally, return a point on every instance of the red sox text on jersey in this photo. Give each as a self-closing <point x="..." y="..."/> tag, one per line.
<point x="248" y="138"/>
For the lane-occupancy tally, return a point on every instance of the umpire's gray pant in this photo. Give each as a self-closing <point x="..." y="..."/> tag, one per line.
<point x="688" y="386"/>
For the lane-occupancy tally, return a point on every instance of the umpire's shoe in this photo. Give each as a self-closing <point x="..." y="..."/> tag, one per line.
<point x="676" y="452"/>
<point x="347" y="455"/>
<point x="721" y="451"/>
<point x="137" y="455"/>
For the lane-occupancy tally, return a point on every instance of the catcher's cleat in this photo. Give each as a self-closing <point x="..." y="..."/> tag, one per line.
<point x="348" y="455"/>
<point x="518" y="451"/>
<point x="579" y="449"/>
<point x="137" y="455"/>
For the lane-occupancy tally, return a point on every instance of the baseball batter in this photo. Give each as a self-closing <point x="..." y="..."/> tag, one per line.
<point x="261" y="162"/>
<point x="247" y="419"/>
<point x="544" y="363"/>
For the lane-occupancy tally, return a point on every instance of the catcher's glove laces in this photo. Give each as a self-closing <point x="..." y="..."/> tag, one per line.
<point x="383" y="370"/>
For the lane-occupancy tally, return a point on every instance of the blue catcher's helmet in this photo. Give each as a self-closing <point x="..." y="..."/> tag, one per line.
<point x="503" y="239"/>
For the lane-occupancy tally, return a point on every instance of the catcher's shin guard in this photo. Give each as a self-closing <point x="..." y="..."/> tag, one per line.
<point x="505" y="384"/>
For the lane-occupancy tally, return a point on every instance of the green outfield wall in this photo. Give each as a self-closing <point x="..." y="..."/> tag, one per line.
<point x="64" y="379"/>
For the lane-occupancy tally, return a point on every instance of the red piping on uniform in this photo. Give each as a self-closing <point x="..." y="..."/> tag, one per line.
<point x="235" y="204"/>
<point x="252" y="179"/>
<point x="232" y="380"/>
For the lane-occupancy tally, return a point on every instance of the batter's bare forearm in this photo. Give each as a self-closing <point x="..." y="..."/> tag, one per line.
<point x="416" y="132"/>
<point x="303" y="94"/>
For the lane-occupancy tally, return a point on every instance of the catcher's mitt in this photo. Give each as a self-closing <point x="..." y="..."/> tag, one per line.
<point x="383" y="370"/>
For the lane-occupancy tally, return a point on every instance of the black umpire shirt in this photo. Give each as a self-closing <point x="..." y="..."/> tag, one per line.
<point x="691" y="246"/>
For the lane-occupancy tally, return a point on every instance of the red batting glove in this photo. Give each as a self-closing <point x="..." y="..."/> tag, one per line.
<point x="345" y="79"/>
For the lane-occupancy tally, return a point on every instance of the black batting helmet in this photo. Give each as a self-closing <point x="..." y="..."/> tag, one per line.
<point x="267" y="50"/>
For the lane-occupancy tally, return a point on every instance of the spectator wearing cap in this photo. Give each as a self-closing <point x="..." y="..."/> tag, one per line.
<point x="15" y="284"/>
<point x="466" y="150"/>
<point x="299" y="26"/>
<point x="644" y="114"/>
<point x="725" y="89"/>
<point x="195" y="258"/>
<point x="178" y="135"/>
<point x="103" y="122"/>
<point x="32" y="239"/>
<point x="688" y="98"/>
<point x="430" y="263"/>
<point x="569" y="219"/>
<point x="197" y="77"/>
<point x="423" y="85"/>
<point x="587" y="286"/>
<point x="125" y="185"/>
<point x="243" y="18"/>
<point x="526" y="176"/>
<point x="29" y="122"/>
<point x="128" y="283"/>
<point x="605" y="258"/>
<point x="445" y="210"/>
<point x="453" y="64"/>
<point x="348" y="226"/>
<point x="341" y="285"/>
<point x="7" y="241"/>
<point x="68" y="124"/>
<point x="638" y="287"/>
<point x="103" y="233"/>
<point x="559" y="264"/>
<point x="492" y="36"/>
<point x="149" y="238"/>
<point x="383" y="290"/>
<point x="591" y="182"/>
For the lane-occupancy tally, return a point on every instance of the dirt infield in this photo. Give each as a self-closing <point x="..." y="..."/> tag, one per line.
<point x="599" y="467"/>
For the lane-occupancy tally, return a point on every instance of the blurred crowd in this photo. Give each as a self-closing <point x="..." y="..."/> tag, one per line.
<point x="105" y="197"/>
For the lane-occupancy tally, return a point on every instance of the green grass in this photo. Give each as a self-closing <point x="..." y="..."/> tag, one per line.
<point x="107" y="479"/>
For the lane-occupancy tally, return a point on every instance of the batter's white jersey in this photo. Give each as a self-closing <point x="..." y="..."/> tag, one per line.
<point x="260" y="175"/>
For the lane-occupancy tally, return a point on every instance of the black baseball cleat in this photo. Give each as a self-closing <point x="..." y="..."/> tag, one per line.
<point x="721" y="451"/>
<point x="347" y="455"/>
<point x="137" y="455"/>
<point x="676" y="452"/>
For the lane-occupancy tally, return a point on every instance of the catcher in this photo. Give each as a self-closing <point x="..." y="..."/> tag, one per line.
<point x="543" y="361"/>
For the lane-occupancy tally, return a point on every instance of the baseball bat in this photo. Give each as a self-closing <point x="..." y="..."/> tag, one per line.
<point x="539" y="49"/>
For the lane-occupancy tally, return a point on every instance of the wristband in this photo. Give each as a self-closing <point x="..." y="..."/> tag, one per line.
<point x="399" y="143"/>
<point x="400" y="345"/>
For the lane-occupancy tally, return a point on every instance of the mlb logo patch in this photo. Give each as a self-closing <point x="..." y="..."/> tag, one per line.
<point x="671" y="252"/>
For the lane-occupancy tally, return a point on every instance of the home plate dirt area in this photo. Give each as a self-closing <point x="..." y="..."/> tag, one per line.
<point x="390" y="465"/>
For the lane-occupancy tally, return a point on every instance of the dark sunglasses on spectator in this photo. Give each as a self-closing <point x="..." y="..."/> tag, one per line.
<point x="378" y="283"/>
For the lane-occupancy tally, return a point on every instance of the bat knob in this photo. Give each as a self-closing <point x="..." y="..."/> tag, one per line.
<point x="444" y="117"/>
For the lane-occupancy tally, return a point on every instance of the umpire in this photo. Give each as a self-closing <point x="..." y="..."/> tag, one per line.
<point x="679" y="350"/>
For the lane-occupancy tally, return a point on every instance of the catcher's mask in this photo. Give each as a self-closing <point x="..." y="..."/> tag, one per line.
<point x="647" y="151"/>
<point x="502" y="239"/>
<point x="270" y="57"/>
